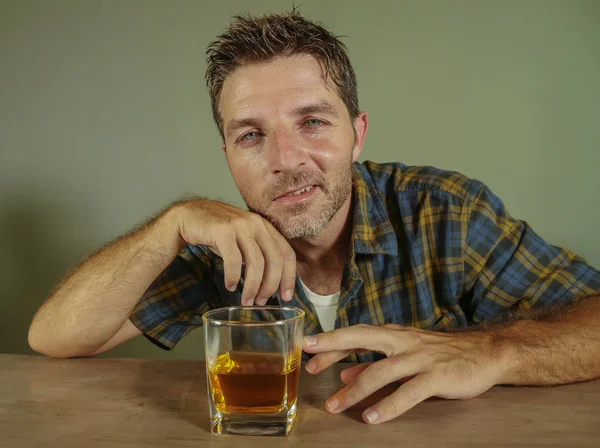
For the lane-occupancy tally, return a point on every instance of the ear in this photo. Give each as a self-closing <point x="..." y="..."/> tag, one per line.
<point x="361" y="126"/>
<point x="224" y="148"/>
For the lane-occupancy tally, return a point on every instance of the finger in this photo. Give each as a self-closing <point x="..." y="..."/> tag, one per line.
<point x="348" y="375"/>
<point x="360" y="336"/>
<point x="273" y="265"/>
<point x="373" y="378"/>
<point x="255" y="264"/>
<point x="323" y="360"/>
<point x="288" y="274"/>
<point x="413" y="392"/>
<point x="232" y="260"/>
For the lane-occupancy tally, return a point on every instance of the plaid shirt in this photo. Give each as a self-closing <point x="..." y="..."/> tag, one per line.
<point x="430" y="249"/>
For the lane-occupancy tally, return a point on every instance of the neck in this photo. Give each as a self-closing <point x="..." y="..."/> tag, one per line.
<point x="331" y="247"/>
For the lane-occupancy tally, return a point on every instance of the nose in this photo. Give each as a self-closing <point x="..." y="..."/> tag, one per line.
<point x="285" y="152"/>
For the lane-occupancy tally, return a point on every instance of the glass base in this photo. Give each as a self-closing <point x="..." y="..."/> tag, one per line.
<point x="254" y="425"/>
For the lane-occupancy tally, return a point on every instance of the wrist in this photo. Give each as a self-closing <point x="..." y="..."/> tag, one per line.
<point x="166" y="231"/>
<point x="505" y="348"/>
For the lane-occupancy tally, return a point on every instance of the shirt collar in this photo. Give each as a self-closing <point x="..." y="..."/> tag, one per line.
<point x="372" y="230"/>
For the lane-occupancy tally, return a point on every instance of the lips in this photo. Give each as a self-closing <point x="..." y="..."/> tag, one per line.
<point x="297" y="192"/>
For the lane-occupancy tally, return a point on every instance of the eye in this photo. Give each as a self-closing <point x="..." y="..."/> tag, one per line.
<point x="249" y="136"/>
<point x="313" y="123"/>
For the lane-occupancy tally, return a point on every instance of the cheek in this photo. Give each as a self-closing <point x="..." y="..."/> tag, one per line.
<point x="247" y="177"/>
<point x="332" y="154"/>
<point x="250" y="162"/>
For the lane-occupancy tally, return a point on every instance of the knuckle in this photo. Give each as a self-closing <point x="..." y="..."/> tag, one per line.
<point x="289" y="255"/>
<point x="412" y="391"/>
<point x="396" y="364"/>
<point x="256" y="220"/>
<point x="378" y="369"/>
<point x="329" y="337"/>
<point x="415" y="338"/>
<point x="235" y="222"/>
<point x="442" y="371"/>
<point x="351" y="392"/>
<point x="276" y="259"/>
<point x="391" y="409"/>
<point x="256" y="262"/>
<point x="388" y="350"/>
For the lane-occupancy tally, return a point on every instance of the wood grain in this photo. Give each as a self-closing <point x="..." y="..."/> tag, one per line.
<point x="150" y="403"/>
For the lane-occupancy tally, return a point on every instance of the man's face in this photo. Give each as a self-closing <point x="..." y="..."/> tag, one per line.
<point x="290" y="143"/>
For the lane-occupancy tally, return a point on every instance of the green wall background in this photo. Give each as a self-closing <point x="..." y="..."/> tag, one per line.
<point x="104" y="118"/>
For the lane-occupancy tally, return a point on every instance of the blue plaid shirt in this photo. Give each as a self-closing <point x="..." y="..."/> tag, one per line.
<point x="430" y="249"/>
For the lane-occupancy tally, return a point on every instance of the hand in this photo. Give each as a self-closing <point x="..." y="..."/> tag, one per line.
<point x="238" y="237"/>
<point x="446" y="365"/>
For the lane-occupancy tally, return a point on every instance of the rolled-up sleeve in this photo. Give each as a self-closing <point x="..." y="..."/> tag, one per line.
<point x="507" y="265"/>
<point x="174" y="303"/>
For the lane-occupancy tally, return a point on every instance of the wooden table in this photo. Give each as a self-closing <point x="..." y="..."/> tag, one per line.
<point x="150" y="403"/>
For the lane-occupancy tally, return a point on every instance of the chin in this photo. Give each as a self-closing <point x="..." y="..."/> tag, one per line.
<point x="301" y="221"/>
<point x="299" y="227"/>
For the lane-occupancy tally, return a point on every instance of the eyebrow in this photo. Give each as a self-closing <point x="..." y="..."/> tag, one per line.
<point x="322" y="107"/>
<point x="234" y="125"/>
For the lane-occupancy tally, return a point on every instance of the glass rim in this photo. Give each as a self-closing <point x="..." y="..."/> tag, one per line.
<point x="206" y="317"/>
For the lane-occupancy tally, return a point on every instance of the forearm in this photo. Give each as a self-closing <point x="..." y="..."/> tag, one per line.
<point x="560" y="349"/>
<point x="93" y="302"/>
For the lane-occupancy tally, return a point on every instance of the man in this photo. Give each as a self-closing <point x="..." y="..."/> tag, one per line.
<point x="387" y="259"/>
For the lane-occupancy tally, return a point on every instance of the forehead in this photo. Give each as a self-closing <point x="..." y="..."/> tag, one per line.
<point x="276" y="86"/>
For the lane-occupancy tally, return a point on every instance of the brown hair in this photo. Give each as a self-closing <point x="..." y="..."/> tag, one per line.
<point x="251" y="39"/>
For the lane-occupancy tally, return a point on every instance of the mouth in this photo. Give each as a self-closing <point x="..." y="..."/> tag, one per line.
<point x="297" y="195"/>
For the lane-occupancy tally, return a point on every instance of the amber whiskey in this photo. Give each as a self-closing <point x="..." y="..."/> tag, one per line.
<point x="254" y="383"/>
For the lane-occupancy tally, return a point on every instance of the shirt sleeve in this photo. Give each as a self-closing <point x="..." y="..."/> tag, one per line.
<point x="174" y="303"/>
<point x="507" y="265"/>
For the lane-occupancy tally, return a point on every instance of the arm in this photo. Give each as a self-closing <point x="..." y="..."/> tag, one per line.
<point x="561" y="347"/>
<point x="547" y="298"/>
<point x="88" y="312"/>
<point x="548" y="334"/>
<point x="92" y="304"/>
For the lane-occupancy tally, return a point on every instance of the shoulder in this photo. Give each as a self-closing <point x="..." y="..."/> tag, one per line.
<point x="397" y="178"/>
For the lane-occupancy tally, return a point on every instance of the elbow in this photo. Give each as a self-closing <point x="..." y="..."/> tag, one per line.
<point x="40" y="343"/>
<point x="33" y="338"/>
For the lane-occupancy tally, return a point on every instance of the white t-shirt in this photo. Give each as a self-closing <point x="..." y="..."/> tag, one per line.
<point x="325" y="307"/>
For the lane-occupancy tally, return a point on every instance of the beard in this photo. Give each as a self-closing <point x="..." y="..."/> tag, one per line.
<point x="305" y="219"/>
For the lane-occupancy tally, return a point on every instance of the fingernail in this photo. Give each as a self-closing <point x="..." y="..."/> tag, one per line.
<point x="247" y="302"/>
<point x="310" y="340"/>
<point x="333" y="404"/>
<point x="287" y="295"/>
<point x="231" y="287"/>
<point x="311" y="366"/>
<point x="371" y="416"/>
<point x="262" y="302"/>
